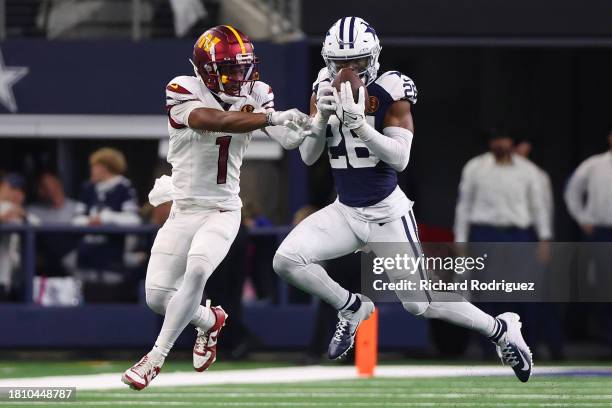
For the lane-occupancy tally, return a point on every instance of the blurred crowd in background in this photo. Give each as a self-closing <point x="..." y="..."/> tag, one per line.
<point x="503" y="197"/>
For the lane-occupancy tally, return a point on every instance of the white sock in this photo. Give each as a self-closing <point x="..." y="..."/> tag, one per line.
<point x="158" y="354"/>
<point x="453" y="308"/>
<point x="203" y="318"/>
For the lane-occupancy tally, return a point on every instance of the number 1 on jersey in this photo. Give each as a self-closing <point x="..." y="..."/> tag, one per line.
<point x="223" y="142"/>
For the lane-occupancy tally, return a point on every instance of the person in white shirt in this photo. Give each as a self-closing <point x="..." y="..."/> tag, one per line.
<point x="500" y="200"/>
<point x="589" y="195"/>
<point x="523" y="148"/>
<point x="500" y="197"/>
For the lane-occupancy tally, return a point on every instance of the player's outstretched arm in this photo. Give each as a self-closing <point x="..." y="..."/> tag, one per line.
<point x="236" y="122"/>
<point x="312" y="147"/>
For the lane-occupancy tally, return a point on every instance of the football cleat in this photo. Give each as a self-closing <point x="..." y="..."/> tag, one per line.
<point x="205" y="348"/>
<point x="346" y="328"/>
<point x="512" y="349"/>
<point x="140" y="375"/>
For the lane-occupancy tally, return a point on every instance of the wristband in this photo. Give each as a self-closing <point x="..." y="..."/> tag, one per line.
<point x="269" y="119"/>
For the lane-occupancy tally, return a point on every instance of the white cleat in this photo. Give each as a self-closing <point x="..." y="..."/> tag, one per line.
<point x="140" y="375"/>
<point x="512" y="349"/>
<point x="205" y="348"/>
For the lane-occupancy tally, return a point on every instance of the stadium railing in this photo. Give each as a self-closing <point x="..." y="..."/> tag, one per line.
<point x="278" y="325"/>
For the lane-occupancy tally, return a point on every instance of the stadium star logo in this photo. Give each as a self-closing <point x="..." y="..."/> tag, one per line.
<point x="9" y="76"/>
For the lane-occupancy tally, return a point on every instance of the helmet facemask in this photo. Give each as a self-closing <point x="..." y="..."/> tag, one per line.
<point x="365" y="65"/>
<point x="231" y="77"/>
<point x="237" y="78"/>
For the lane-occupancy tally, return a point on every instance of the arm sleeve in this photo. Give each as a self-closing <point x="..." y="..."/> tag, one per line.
<point x="179" y="113"/>
<point x="180" y="100"/>
<point x="392" y="147"/>
<point x="574" y="194"/>
<point x="312" y="147"/>
<point x="464" y="203"/>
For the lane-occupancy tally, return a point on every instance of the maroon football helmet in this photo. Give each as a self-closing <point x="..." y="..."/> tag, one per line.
<point x="225" y="60"/>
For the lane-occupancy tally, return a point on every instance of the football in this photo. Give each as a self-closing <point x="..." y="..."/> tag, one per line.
<point x="347" y="74"/>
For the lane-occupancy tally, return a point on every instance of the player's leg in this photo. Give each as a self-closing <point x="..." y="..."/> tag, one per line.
<point x="168" y="261"/>
<point x="450" y="307"/>
<point x="211" y="241"/>
<point x="321" y="236"/>
<point x="209" y="246"/>
<point x="324" y="235"/>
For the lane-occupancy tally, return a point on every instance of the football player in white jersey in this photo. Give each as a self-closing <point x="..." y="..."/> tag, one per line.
<point x="366" y="150"/>
<point x="211" y="119"/>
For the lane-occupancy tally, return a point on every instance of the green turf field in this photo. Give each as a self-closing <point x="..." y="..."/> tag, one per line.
<point x="440" y="392"/>
<point x="479" y="391"/>
<point x="23" y="369"/>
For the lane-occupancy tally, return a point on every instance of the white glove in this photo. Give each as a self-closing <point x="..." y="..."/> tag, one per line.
<point x="282" y="118"/>
<point x="326" y="103"/>
<point x="351" y="114"/>
<point x="296" y="126"/>
<point x="289" y="137"/>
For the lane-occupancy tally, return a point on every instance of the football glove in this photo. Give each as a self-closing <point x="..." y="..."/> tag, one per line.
<point x="326" y="103"/>
<point x="351" y="114"/>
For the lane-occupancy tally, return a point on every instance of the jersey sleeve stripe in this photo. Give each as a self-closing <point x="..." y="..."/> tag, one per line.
<point x="177" y="89"/>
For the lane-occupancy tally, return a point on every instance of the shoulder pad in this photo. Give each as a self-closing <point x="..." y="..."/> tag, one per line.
<point x="399" y="86"/>
<point x="182" y="85"/>
<point x="263" y="95"/>
<point x="181" y="89"/>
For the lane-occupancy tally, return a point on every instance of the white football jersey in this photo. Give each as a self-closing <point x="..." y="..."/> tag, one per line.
<point x="205" y="164"/>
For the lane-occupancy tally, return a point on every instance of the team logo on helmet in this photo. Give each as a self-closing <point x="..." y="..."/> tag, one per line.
<point x="224" y="60"/>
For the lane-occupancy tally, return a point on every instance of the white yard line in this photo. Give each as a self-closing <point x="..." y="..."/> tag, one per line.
<point x="318" y="404"/>
<point x="278" y="375"/>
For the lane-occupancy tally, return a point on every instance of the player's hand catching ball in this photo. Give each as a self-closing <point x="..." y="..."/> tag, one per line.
<point x="326" y="103"/>
<point x="350" y="113"/>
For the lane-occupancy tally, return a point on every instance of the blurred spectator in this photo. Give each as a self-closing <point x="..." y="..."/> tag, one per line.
<point x="523" y="148"/>
<point x="500" y="197"/>
<point x="12" y="197"/>
<point x="500" y="200"/>
<point x="107" y="199"/>
<point x="252" y="216"/>
<point x="53" y="208"/>
<point x="589" y="200"/>
<point x="589" y="196"/>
